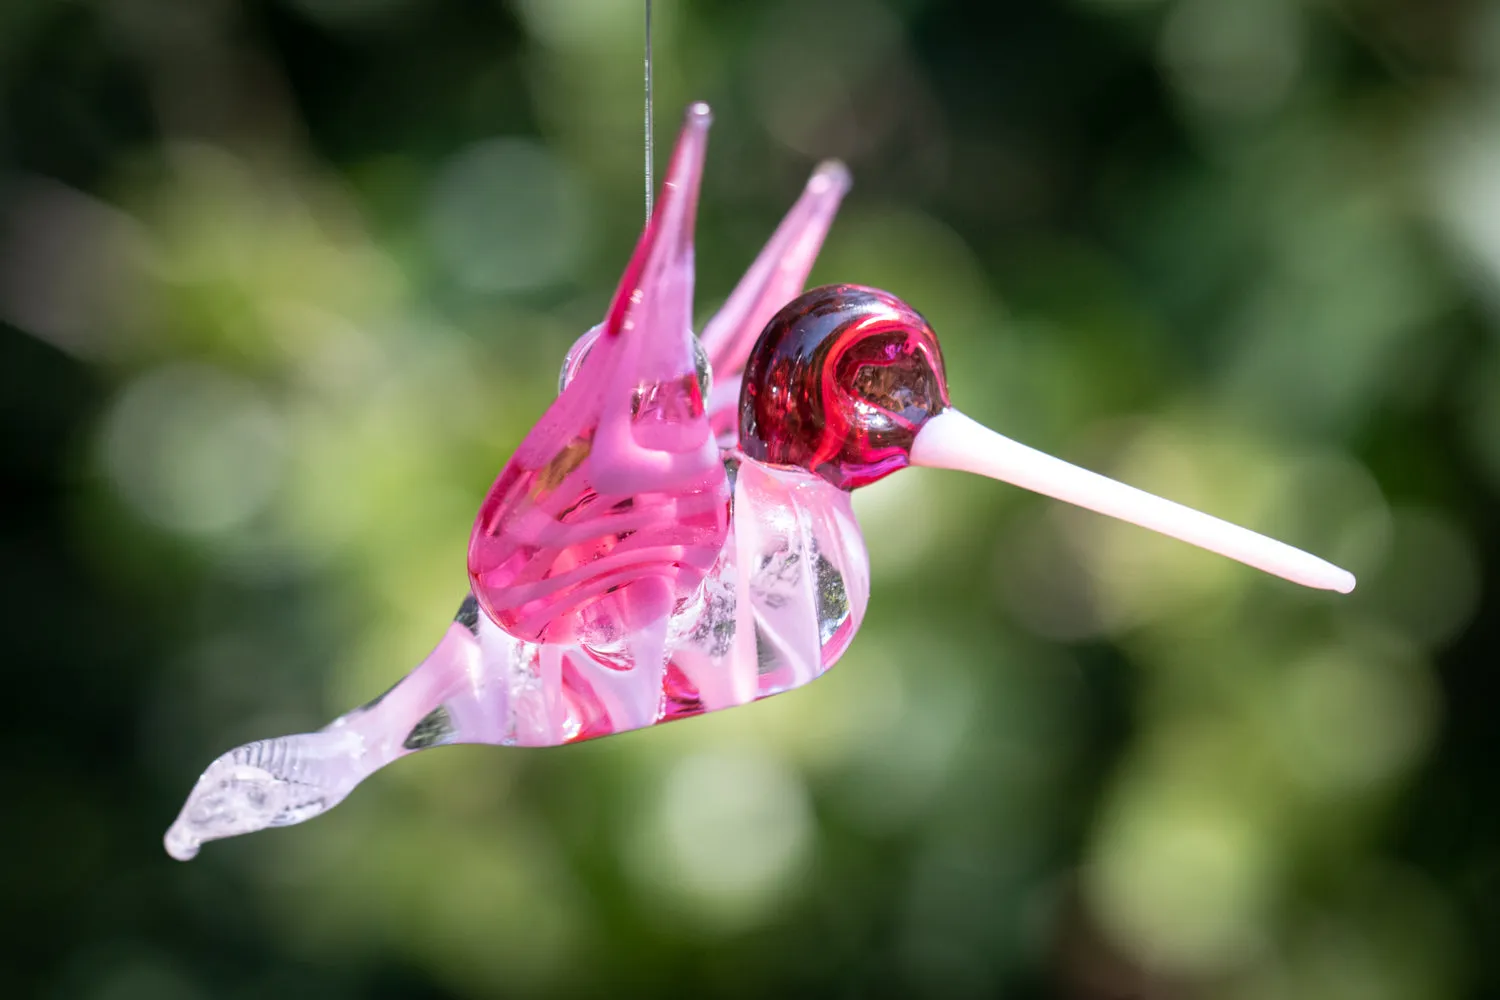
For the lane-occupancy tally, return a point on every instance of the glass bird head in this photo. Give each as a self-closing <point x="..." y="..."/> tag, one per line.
<point x="675" y="534"/>
<point x="840" y="382"/>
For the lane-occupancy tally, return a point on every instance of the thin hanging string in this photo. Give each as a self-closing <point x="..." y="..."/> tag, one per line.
<point x="648" y="111"/>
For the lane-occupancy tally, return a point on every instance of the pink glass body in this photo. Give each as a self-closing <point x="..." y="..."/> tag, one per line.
<point x="635" y="564"/>
<point x="778" y="606"/>
<point x="631" y="564"/>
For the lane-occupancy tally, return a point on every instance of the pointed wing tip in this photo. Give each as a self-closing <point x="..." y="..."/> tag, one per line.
<point x="686" y="167"/>
<point x="698" y="115"/>
<point x="830" y="176"/>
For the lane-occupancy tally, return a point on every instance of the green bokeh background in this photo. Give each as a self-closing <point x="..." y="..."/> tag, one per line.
<point x="283" y="283"/>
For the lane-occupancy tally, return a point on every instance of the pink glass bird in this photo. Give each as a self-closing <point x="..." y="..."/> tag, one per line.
<point x="660" y="547"/>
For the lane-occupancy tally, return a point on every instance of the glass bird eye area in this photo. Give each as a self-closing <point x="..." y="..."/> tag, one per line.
<point x="839" y="383"/>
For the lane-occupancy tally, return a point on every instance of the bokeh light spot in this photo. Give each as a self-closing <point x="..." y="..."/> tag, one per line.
<point x="898" y="542"/>
<point x="1181" y="880"/>
<point x="728" y="832"/>
<point x="592" y="24"/>
<point x="506" y="215"/>
<point x="70" y="265"/>
<point x="1350" y="722"/>
<point x="193" y="449"/>
<point x="1429" y="584"/>
<point x="1229" y="57"/>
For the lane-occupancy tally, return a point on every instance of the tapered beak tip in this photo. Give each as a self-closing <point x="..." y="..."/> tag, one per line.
<point x="699" y="114"/>
<point x="951" y="440"/>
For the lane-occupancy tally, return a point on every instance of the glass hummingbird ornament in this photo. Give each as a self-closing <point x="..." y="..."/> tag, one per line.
<point x="675" y="534"/>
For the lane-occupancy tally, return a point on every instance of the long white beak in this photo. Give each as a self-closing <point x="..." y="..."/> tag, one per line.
<point x="951" y="440"/>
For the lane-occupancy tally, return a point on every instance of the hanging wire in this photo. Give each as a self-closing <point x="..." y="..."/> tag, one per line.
<point x="648" y="112"/>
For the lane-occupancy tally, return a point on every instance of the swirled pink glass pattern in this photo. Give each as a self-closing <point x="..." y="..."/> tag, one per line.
<point x="630" y="565"/>
<point x="605" y="521"/>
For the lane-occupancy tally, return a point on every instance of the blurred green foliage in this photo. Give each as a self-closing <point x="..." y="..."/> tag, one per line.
<point x="283" y="283"/>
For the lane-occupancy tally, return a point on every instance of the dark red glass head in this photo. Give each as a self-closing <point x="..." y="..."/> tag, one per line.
<point x="839" y="384"/>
